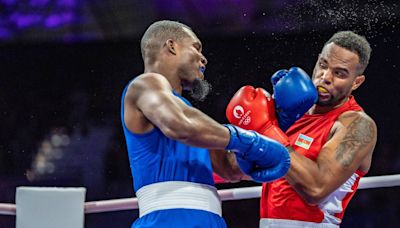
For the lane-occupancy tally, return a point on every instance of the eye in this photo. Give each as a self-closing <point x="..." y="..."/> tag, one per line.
<point x="197" y="46"/>
<point x="322" y="65"/>
<point x="340" y="74"/>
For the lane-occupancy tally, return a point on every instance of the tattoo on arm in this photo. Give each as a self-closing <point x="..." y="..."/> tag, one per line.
<point x="359" y="133"/>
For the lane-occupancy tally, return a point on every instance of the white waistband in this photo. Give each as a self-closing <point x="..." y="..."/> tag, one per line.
<point x="284" y="223"/>
<point x="178" y="194"/>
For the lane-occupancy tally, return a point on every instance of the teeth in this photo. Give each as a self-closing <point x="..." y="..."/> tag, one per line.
<point x="322" y="90"/>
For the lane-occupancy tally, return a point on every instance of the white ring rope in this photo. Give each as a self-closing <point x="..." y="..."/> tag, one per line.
<point x="225" y="194"/>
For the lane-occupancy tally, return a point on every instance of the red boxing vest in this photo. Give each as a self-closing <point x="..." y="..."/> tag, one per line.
<point x="280" y="201"/>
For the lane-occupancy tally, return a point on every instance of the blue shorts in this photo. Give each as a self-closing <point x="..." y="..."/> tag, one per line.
<point x="180" y="218"/>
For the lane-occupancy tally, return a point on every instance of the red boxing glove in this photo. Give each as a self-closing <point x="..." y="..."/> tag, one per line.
<point x="254" y="109"/>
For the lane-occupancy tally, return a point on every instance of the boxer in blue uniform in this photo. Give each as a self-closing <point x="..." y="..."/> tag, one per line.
<point x="168" y="140"/>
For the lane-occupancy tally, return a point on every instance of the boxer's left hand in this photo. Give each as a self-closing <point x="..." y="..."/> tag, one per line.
<point x="265" y="159"/>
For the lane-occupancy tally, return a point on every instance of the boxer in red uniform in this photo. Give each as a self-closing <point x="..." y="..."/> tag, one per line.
<point x="331" y="146"/>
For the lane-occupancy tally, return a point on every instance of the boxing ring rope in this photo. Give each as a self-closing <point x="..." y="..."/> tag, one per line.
<point x="225" y="194"/>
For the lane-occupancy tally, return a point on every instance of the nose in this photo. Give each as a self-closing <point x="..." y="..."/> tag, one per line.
<point x="203" y="60"/>
<point x="327" y="76"/>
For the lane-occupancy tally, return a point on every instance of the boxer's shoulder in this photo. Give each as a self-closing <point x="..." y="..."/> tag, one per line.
<point x="356" y="118"/>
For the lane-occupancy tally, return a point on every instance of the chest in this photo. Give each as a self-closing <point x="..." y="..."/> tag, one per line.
<point x="309" y="134"/>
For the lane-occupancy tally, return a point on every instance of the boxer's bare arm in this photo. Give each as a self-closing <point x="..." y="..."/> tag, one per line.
<point x="349" y="148"/>
<point x="150" y="102"/>
<point x="225" y="165"/>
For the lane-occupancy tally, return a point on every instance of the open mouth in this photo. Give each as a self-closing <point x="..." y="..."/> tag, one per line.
<point x="322" y="90"/>
<point x="323" y="93"/>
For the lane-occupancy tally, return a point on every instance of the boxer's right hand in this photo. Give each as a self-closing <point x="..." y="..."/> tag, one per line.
<point x="270" y="158"/>
<point x="253" y="109"/>
<point x="294" y="94"/>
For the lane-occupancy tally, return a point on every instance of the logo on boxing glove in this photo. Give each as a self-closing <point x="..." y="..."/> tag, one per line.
<point x="238" y="113"/>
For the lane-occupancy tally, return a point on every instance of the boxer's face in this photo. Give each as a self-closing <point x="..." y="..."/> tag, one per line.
<point x="192" y="65"/>
<point x="336" y="75"/>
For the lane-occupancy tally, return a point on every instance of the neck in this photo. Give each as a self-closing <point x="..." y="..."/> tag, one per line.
<point x="168" y="73"/>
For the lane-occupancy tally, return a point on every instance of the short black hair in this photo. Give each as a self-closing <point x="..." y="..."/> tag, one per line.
<point x="355" y="43"/>
<point x="159" y="32"/>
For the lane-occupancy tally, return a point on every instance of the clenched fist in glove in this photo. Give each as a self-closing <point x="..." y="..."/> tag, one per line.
<point x="294" y="94"/>
<point x="253" y="109"/>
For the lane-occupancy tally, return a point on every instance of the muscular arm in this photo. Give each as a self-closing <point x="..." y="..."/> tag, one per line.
<point x="150" y="102"/>
<point x="349" y="148"/>
<point x="225" y="165"/>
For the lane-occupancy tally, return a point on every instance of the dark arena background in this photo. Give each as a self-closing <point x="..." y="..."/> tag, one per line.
<point x="64" y="64"/>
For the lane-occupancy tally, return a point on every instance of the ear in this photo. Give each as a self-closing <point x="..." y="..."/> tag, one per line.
<point x="357" y="82"/>
<point x="171" y="46"/>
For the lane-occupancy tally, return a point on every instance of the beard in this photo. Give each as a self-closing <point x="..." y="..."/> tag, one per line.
<point x="333" y="101"/>
<point x="200" y="89"/>
<point x="324" y="103"/>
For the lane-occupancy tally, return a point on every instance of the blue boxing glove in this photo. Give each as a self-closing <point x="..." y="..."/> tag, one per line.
<point x="294" y="94"/>
<point x="247" y="167"/>
<point x="270" y="158"/>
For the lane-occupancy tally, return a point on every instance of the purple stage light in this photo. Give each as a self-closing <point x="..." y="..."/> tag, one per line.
<point x="8" y="2"/>
<point x="67" y="3"/>
<point x="56" y="20"/>
<point x="36" y="15"/>
<point x="25" y="20"/>
<point x="36" y="3"/>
